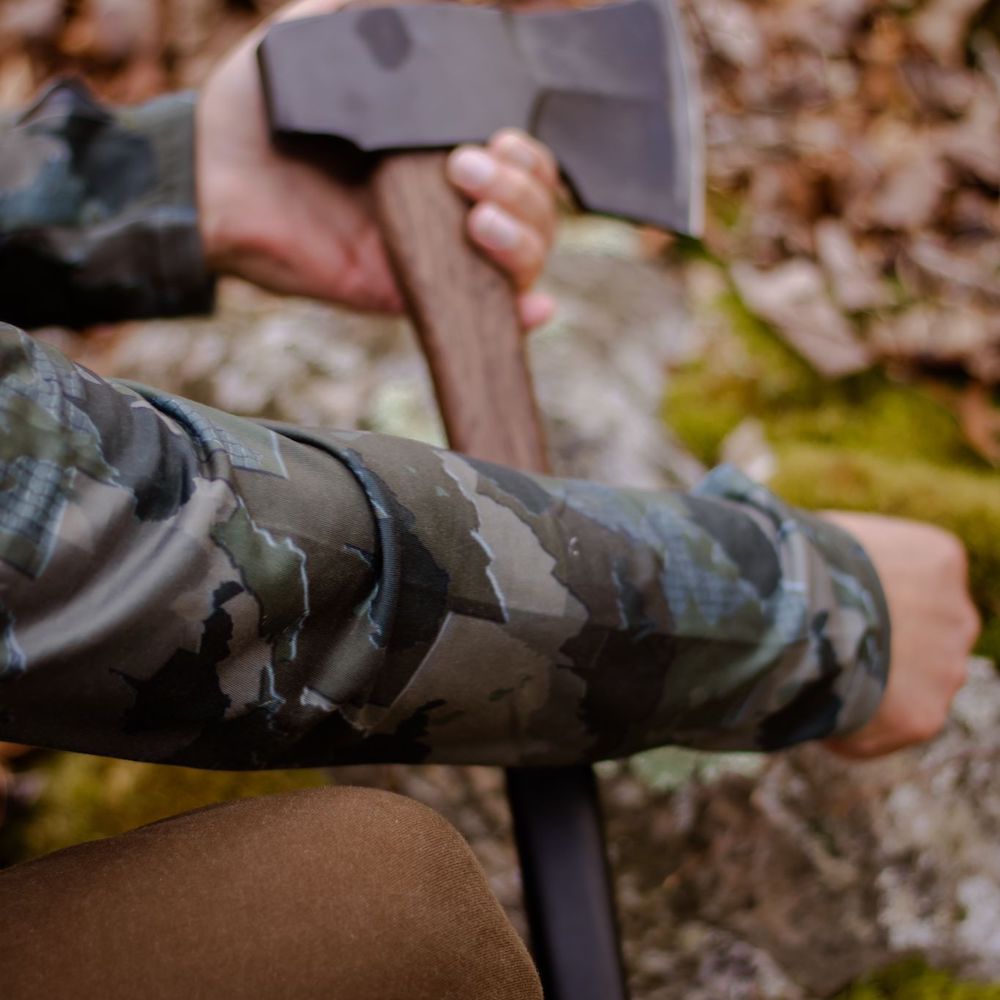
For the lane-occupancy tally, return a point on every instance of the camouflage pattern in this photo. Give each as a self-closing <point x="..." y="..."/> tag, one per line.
<point x="98" y="219"/>
<point x="181" y="585"/>
<point x="177" y="584"/>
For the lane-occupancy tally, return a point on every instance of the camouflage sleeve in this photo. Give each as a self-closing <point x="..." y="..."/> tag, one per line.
<point x="181" y="585"/>
<point x="98" y="219"/>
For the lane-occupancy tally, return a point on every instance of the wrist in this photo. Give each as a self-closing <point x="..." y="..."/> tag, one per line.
<point x="232" y="239"/>
<point x="216" y="248"/>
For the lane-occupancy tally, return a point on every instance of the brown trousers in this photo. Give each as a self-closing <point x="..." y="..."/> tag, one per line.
<point x="333" y="893"/>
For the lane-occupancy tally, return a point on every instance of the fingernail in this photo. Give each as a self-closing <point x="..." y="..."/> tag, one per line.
<point x="495" y="229"/>
<point x="471" y="168"/>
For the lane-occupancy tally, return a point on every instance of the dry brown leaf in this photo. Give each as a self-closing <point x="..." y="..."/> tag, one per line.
<point x="975" y="214"/>
<point x="984" y="362"/>
<point x="974" y="143"/>
<point x="794" y="299"/>
<point x="942" y="27"/>
<point x="937" y="336"/>
<point x="911" y="191"/>
<point x="783" y="198"/>
<point x="855" y="282"/>
<point x="937" y="88"/>
<point x="824" y="25"/>
<point x="732" y="31"/>
<point x="856" y="133"/>
<point x="114" y="31"/>
<point x="31" y="22"/>
<point x="972" y="268"/>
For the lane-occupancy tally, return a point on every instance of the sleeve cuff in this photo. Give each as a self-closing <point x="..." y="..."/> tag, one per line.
<point x="820" y="558"/>
<point x="180" y="279"/>
<point x="98" y="212"/>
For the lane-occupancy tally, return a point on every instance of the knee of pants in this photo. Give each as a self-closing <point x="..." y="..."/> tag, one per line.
<point x="332" y="892"/>
<point x="403" y="874"/>
<point x="373" y="843"/>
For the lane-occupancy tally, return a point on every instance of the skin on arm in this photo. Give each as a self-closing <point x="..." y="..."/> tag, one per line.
<point x="311" y="235"/>
<point x="924" y="574"/>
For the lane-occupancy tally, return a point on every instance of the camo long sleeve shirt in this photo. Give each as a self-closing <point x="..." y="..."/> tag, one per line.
<point x="178" y="584"/>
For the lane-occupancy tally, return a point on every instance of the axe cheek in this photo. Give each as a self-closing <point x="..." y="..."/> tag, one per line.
<point x="592" y="84"/>
<point x="636" y="154"/>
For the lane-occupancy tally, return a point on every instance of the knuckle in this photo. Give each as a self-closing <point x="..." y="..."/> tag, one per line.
<point x="519" y="147"/>
<point x="972" y="625"/>
<point x="530" y="259"/>
<point x="926" y="725"/>
<point x="520" y="189"/>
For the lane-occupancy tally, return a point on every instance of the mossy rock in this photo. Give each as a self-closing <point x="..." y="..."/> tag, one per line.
<point x="915" y="980"/>
<point x="86" y="798"/>
<point x="868" y="442"/>
<point x="747" y="370"/>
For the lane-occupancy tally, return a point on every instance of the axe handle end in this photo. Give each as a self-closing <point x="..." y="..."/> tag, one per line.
<point x="465" y="313"/>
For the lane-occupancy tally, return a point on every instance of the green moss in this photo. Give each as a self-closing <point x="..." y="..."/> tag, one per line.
<point x="964" y="501"/>
<point x="745" y="370"/>
<point x="915" y="980"/>
<point x="868" y="413"/>
<point x="701" y="410"/>
<point x="749" y="371"/>
<point x="86" y="798"/>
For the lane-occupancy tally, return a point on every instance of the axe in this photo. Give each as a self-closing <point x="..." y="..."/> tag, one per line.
<point x="608" y="90"/>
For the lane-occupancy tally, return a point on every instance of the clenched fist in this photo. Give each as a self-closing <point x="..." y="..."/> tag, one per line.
<point x="934" y="625"/>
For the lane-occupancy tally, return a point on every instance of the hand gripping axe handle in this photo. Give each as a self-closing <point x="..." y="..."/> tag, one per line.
<point x="607" y="89"/>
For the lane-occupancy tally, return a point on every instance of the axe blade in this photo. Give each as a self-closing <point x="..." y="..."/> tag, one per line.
<point x="608" y="89"/>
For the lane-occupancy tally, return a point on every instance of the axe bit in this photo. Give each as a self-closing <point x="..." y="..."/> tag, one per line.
<point x="609" y="92"/>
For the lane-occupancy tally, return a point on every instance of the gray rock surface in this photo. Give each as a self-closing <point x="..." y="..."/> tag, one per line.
<point x="792" y="882"/>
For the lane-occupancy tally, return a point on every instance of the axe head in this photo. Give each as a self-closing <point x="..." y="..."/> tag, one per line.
<point x="608" y="89"/>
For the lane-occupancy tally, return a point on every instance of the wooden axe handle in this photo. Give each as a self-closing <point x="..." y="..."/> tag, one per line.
<point x="466" y="317"/>
<point x="464" y="312"/>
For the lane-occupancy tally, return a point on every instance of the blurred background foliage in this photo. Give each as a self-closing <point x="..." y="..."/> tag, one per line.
<point x="913" y="980"/>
